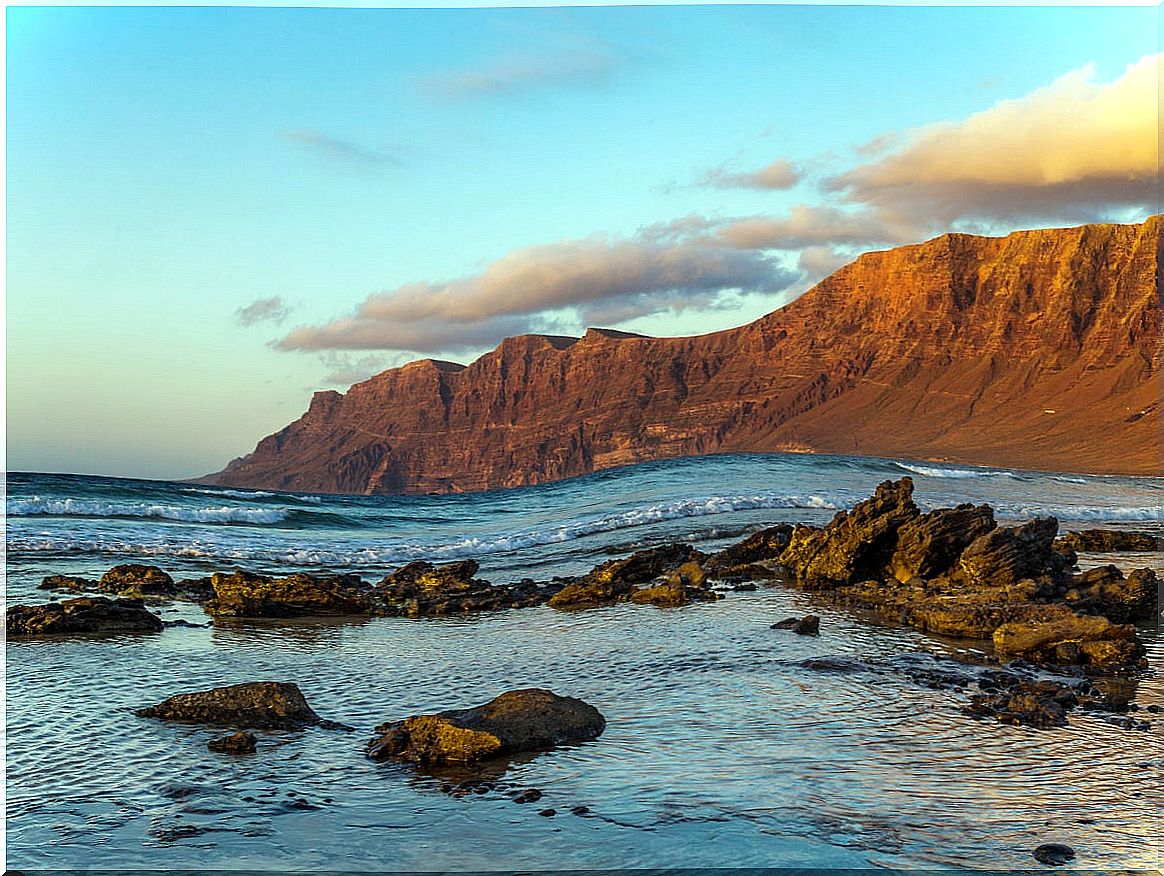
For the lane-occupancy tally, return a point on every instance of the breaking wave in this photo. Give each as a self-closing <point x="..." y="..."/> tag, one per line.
<point x="932" y="471"/>
<point x="34" y="506"/>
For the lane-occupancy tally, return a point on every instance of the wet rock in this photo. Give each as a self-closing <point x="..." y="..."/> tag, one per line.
<point x="243" y="594"/>
<point x="84" y="615"/>
<point x="262" y="704"/>
<point x="1111" y="541"/>
<point x="840" y="665"/>
<point x="681" y="586"/>
<point x="67" y="582"/>
<point x="134" y="579"/>
<point x="1063" y="637"/>
<point x="1007" y="555"/>
<point x="520" y="720"/>
<point x="740" y="562"/>
<point x="529" y="795"/>
<point x="930" y="545"/>
<point x="548" y="813"/>
<point x="1054" y="854"/>
<point x="809" y="625"/>
<point x="1105" y="590"/>
<point x="421" y="589"/>
<point x="196" y="589"/>
<point x="580" y="810"/>
<point x="857" y="544"/>
<point x="236" y="743"/>
<point x="1031" y="704"/>
<point x="614" y="581"/>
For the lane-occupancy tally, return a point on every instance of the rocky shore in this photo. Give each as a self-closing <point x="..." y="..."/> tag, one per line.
<point x="1012" y="591"/>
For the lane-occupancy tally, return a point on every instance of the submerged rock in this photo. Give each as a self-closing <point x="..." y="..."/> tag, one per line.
<point x="84" y="615"/>
<point x="262" y="704"/>
<point x="615" y="580"/>
<point x="1032" y="704"/>
<point x="517" y="721"/>
<point x="809" y="625"/>
<point x="857" y="544"/>
<point x="243" y="594"/>
<point x="1054" y="854"/>
<point x="1111" y="541"/>
<point x="67" y="582"/>
<point x="236" y="743"/>
<point x="134" y="579"/>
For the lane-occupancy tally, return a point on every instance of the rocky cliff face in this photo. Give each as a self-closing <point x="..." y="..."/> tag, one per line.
<point x="1037" y="350"/>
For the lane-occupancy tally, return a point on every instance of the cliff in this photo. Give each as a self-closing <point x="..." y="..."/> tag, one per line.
<point x="1035" y="350"/>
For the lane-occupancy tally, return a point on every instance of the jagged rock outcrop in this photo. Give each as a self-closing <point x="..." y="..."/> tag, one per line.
<point x="85" y="615"/>
<point x="517" y="721"/>
<point x="421" y="589"/>
<point x="1035" y="350"/>
<point x="745" y="560"/>
<point x="245" y="594"/>
<point x="618" y="580"/>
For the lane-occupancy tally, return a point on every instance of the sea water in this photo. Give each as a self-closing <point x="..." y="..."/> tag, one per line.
<point x="721" y="749"/>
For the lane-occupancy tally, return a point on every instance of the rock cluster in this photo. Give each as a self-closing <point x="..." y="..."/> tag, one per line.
<point x="421" y="589"/>
<point x="517" y="721"/>
<point x="243" y="594"/>
<point x="1111" y="541"/>
<point x="84" y="615"/>
<point x="664" y="576"/>
<point x="955" y="572"/>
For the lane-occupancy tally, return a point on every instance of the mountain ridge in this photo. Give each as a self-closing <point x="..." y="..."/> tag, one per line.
<point x="1036" y="350"/>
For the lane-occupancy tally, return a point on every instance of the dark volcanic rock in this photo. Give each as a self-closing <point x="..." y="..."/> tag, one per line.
<point x="262" y="704"/>
<point x="243" y="594"/>
<point x="421" y="589"/>
<point x="740" y="561"/>
<point x="1111" y="541"/>
<point x="1033" y="704"/>
<point x="516" y="721"/>
<point x="1063" y="637"/>
<point x="67" y="582"/>
<point x="80" y="616"/>
<point x="133" y="579"/>
<point x="1054" y="854"/>
<point x="809" y="625"/>
<point x="857" y="544"/>
<point x="930" y="545"/>
<point x="236" y="743"/>
<point x="1105" y="590"/>
<point x="615" y="580"/>
<point x="1008" y="555"/>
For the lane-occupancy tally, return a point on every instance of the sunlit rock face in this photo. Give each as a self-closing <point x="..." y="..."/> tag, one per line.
<point x="1034" y="350"/>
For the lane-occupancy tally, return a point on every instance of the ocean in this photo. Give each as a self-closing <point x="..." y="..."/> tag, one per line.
<point x="721" y="750"/>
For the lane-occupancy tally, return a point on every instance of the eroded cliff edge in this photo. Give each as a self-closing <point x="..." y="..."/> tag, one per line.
<point x="1037" y="350"/>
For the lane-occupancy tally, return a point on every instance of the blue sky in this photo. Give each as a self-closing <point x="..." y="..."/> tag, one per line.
<point x="214" y="212"/>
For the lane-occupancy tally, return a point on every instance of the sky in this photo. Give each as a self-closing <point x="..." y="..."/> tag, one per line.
<point x="214" y="212"/>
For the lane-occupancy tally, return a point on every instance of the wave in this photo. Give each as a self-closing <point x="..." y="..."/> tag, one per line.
<point x="255" y="494"/>
<point x="1080" y="514"/>
<point x="37" y="506"/>
<point x="931" y="471"/>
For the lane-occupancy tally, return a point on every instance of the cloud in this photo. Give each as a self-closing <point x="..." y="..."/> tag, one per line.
<point x="1072" y="150"/>
<point x="345" y="369"/>
<point x="780" y="174"/>
<point x="582" y="63"/>
<point x="273" y="309"/>
<point x="597" y="279"/>
<point x="321" y="144"/>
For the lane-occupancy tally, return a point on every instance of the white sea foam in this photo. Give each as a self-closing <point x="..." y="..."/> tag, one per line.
<point x="40" y="506"/>
<point x="254" y="494"/>
<point x="933" y="471"/>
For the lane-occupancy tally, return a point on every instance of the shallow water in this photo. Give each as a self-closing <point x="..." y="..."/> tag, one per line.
<point x="720" y="750"/>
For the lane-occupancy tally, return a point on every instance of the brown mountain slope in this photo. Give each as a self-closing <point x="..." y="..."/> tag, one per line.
<point x="1036" y="350"/>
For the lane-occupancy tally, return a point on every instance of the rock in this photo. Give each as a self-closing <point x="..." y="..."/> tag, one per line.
<point x="615" y="580"/>
<point x="133" y="579"/>
<point x="857" y="544"/>
<point x="84" y="615"/>
<point x="681" y="586"/>
<point x="529" y="795"/>
<point x="809" y="625"/>
<point x="196" y="589"/>
<point x="930" y="545"/>
<point x="237" y="743"/>
<point x="1054" y="854"/>
<point x="580" y="810"/>
<point x="262" y="704"/>
<point x="1032" y="704"/>
<point x="67" y="582"/>
<point x="740" y="561"/>
<point x="519" y="720"/>
<point x="1008" y="555"/>
<point x="1105" y="590"/>
<point x="548" y="813"/>
<point x="421" y="589"/>
<point x="1108" y="541"/>
<point x="243" y="594"/>
<point x="1063" y="637"/>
